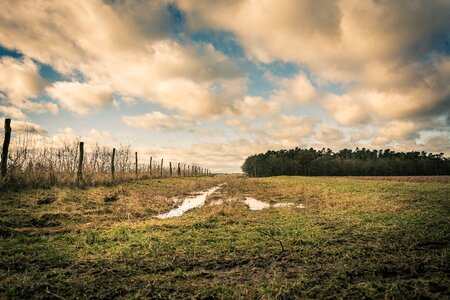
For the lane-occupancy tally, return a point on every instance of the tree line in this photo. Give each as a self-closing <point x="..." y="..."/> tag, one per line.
<point x="345" y="162"/>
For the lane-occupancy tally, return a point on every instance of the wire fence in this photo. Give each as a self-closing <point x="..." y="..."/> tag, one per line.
<point x="34" y="161"/>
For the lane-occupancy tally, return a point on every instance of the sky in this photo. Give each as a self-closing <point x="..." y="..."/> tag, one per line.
<point x="212" y="82"/>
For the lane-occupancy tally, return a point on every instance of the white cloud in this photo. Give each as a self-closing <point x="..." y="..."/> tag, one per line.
<point x="396" y="131"/>
<point x="291" y="131"/>
<point x="382" y="55"/>
<point x="437" y="144"/>
<point x="27" y="127"/>
<point x="257" y="107"/>
<point x="346" y="110"/>
<point x="20" y="79"/>
<point x="384" y="48"/>
<point x="80" y="97"/>
<point x="125" y="46"/>
<point x="100" y="134"/>
<point x="225" y="156"/>
<point x="297" y="90"/>
<point x="12" y="112"/>
<point x="159" y="121"/>
<point x="329" y="134"/>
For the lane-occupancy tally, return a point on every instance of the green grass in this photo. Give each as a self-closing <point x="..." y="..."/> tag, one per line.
<point x="354" y="239"/>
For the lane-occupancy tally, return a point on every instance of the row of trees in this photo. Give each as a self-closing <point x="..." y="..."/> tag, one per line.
<point x="345" y="162"/>
<point x="31" y="161"/>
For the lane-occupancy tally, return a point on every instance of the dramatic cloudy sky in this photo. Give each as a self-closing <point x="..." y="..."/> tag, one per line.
<point x="212" y="82"/>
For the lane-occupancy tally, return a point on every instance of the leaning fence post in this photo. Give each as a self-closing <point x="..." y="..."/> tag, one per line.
<point x="6" y="146"/>
<point x="150" y="170"/>
<point x="136" y="162"/>
<point x="80" y="163"/>
<point x="162" y="161"/>
<point x="113" y="169"/>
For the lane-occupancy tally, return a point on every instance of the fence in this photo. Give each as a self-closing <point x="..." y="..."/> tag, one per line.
<point x="29" y="162"/>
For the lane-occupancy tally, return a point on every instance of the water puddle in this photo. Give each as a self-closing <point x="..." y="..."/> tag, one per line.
<point x="254" y="204"/>
<point x="189" y="203"/>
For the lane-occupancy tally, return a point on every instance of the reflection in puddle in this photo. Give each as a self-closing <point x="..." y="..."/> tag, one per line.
<point x="189" y="203"/>
<point x="254" y="204"/>
<point x="300" y="206"/>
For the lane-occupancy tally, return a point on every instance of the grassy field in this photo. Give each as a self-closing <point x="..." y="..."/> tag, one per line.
<point x="355" y="238"/>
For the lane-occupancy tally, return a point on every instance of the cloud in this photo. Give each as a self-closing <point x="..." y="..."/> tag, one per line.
<point x="99" y="134"/>
<point x="190" y="98"/>
<point x="346" y="110"/>
<point x="341" y="36"/>
<point x="240" y="125"/>
<point x="20" y="79"/>
<point x="12" y="112"/>
<point x="393" y="50"/>
<point x="397" y="129"/>
<point x="437" y="144"/>
<point x="27" y="127"/>
<point x="297" y="90"/>
<point x="378" y="68"/>
<point x="257" y="107"/>
<point x="291" y="131"/>
<point x="225" y="156"/>
<point x="159" y="121"/>
<point x="286" y="30"/>
<point x="126" y="46"/>
<point x="79" y="97"/>
<point x="329" y="134"/>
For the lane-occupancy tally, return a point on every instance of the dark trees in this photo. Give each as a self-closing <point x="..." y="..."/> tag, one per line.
<point x="345" y="162"/>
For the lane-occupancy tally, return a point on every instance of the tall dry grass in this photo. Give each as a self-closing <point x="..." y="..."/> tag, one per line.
<point x="34" y="161"/>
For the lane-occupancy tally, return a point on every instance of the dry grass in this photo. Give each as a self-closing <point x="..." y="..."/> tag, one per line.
<point x="36" y="162"/>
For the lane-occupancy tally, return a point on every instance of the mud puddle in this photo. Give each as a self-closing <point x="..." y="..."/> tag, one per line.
<point x="254" y="204"/>
<point x="189" y="203"/>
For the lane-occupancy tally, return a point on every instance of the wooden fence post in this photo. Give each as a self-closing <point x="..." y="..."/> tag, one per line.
<point x="184" y="170"/>
<point x="170" y="168"/>
<point x="179" y="170"/>
<point x="6" y="142"/>
<point x="136" y="162"/>
<point x="113" y="168"/>
<point x="162" y="160"/>
<point x="80" y="163"/>
<point x="150" y="170"/>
